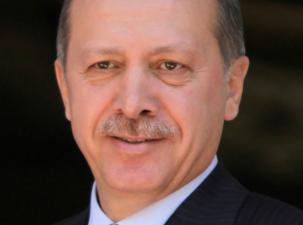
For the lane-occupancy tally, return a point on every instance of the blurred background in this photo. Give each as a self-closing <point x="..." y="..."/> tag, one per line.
<point x="45" y="178"/>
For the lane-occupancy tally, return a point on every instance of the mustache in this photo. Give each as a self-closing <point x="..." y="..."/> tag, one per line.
<point x="146" y="127"/>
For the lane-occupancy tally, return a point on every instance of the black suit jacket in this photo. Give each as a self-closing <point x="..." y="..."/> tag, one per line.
<point x="221" y="200"/>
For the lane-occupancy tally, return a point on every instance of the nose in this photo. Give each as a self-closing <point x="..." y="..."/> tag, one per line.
<point x="136" y="96"/>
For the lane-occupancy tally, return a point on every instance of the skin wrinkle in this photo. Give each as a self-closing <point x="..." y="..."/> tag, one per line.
<point x="94" y="50"/>
<point x="132" y="104"/>
<point x="228" y="29"/>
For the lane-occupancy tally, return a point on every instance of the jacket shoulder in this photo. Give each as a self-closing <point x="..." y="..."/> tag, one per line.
<point x="258" y="209"/>
<point x="78" y="219"/>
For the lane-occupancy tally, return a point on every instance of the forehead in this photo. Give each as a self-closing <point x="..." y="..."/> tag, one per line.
<point x="151" y="21"/>
<point x="126" y="5"/>
<point x="202" y="12"/>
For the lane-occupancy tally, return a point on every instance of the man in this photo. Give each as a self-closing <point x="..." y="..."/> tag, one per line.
<point x="147" y="86"/>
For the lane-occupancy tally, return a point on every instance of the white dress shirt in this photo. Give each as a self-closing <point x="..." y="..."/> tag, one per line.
<point x="155" y="214"/>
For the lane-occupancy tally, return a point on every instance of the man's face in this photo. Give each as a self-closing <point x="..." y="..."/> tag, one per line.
<point x="145" y="91"/>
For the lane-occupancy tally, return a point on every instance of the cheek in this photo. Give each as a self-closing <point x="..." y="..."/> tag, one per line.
<point x="88" y="104"/>
<point x="198" y="107"/>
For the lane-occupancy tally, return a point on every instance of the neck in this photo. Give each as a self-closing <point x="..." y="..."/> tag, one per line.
<point x="120" y="206"/>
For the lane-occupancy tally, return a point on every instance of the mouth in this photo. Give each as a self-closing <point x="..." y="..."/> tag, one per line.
<point x="135" y="145"/>
<point x="135" y="140"/>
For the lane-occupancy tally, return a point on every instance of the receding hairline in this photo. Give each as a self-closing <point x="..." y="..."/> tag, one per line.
<point x="229" y="47"/>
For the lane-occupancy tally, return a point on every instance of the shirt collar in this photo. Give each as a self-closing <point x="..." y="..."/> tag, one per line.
<point x="155" y="214"/>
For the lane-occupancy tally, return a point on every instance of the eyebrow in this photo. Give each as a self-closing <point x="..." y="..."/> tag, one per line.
<point x="102" y="51"/>
<point x="171" y="48"/>
<point x="180" y="47"/>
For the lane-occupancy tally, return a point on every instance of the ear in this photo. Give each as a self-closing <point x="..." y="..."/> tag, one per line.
<point x="62" y="83"/>
<point x="235" y="81"/>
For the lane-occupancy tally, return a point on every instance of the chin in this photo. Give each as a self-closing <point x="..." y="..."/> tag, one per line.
<point x="139" y="180"/>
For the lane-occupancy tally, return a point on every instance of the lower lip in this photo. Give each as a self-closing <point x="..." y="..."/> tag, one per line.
<point x="135" y="148"/>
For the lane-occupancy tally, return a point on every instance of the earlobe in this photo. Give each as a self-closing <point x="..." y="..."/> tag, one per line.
<point x="235" y="82"/>
<point x="61" y="81"/>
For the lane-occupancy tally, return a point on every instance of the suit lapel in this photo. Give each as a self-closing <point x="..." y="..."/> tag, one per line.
<point x="216" y="202"/>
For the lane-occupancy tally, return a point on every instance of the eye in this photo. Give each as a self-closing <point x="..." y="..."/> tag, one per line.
<point x="172" y="72"/>
<point x="171" y="66"/>
<point x="105" y="65"/>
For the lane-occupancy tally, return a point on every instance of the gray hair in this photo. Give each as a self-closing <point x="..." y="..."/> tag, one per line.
<point x="229" y="31"/>
<point x="63" y="33"/>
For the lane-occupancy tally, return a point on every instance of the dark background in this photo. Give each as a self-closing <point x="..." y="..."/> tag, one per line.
<point x="44" y="175"/>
